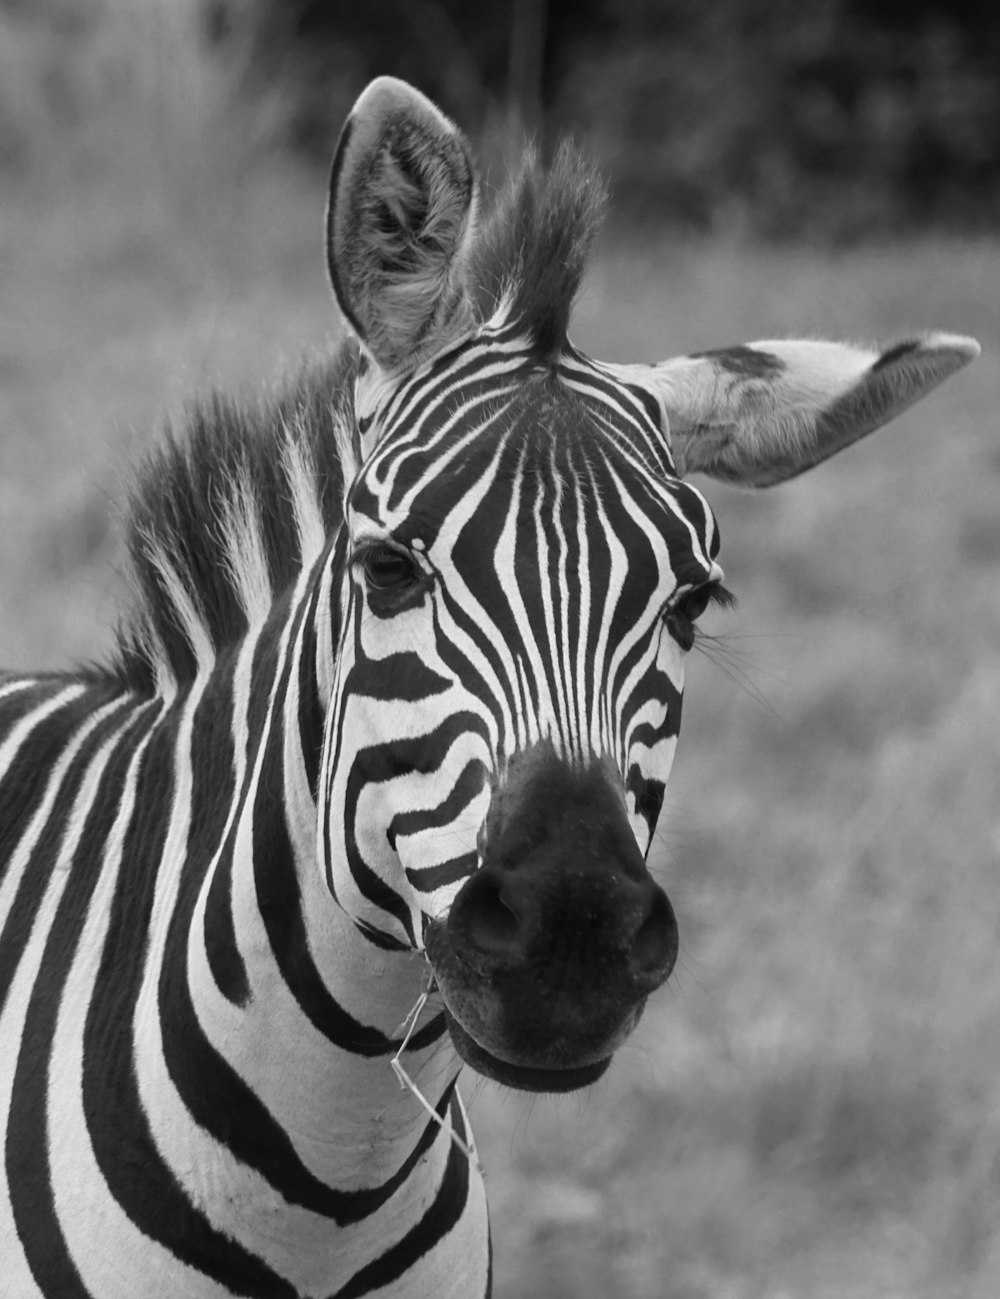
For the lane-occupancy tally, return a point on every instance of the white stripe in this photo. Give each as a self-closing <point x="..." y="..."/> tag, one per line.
<point x="184" y="605"/>
<point x="602" y="736"/>
<point x="527" y="729"/>
<point x="245" y="551"/>
<point x="584" y="673"/>
<point x="300" y="473"/>
<point x="570" y="686"/>
<point x="326" y="651"/>
<point x="25" y="725"/>
<point x="19" y="683"/>
<point x="557" y="717"/>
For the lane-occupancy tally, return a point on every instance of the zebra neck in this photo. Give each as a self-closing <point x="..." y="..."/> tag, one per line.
<point x="298" y="1009"/>
<point x="160" y="856"/>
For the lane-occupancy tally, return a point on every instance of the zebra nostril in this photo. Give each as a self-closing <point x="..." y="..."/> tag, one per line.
<point x="485" y="918"/>
<point x="654" y="948"/>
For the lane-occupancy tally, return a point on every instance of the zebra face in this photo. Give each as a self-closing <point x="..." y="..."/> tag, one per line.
<point x="521" y="593"/>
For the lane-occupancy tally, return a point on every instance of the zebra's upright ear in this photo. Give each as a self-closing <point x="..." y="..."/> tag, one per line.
<point x="762" y="413"/>
<point x="399" y="220"/>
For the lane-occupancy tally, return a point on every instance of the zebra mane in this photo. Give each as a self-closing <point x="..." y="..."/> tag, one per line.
<point x="224" y="517"/>
<point x="530" y="252"/>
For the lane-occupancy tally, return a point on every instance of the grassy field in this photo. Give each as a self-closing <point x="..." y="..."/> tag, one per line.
<point x="812" y="1108"/>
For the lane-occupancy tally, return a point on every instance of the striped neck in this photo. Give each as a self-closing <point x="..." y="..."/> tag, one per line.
<point x="300" y="1011"/>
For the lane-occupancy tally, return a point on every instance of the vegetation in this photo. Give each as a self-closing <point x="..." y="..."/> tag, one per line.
<point x="811" y="1109"/>
<point x="833" y="119"/>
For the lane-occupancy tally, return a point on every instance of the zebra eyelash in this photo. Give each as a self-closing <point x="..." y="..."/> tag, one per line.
<point x="680" y="617"/>
<point x="711" y="593"/>
<point x="721" y="597"/>
<point x="366" y="546"/>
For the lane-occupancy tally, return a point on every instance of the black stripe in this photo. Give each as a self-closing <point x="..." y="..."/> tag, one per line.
<point x="485" y="636"/>
<point x="648" y="797"/>
<point x="429" y="878"/>
<point x="465" y="790"/>
<point x="310" y="713"/>
<point x="224" y="956"/>
<point x="402" y="676"/>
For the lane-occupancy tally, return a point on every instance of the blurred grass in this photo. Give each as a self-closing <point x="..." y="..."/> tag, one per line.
<point x="813" y="1106"/>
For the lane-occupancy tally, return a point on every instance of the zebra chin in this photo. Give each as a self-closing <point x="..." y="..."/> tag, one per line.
<point x="522" y="1077"/>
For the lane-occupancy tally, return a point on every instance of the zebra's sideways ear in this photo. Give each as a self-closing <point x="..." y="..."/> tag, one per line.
<point x="762" y="413"/>
<point x="401" y="209"/>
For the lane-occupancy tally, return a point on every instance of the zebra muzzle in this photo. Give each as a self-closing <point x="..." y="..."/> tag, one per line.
<point x="552" y="946"/>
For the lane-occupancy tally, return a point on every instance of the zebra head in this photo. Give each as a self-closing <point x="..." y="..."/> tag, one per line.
<point x="525" y="568"/>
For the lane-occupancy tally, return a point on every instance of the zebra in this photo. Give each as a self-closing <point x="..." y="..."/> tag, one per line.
<point x="372" y="774"/>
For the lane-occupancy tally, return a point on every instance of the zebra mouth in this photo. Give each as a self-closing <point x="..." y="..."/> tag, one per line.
<point x="525" y="1078"/>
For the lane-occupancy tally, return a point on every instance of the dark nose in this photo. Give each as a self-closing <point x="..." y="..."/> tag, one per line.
<point x="564" y="888"/>
<point x="505" y="918"/>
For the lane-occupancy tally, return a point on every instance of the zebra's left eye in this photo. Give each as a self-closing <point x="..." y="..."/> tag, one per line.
<point x="685" y="611"/>
<point x="690" y="607"/>
<point x="386" y="569"/>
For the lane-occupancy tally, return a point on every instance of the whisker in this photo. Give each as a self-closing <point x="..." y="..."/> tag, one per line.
<point x="737" y="664"/>
<point x="409" y="1024"/>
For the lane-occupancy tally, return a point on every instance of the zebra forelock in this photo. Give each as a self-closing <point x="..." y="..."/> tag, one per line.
<point x="530" y="252"/>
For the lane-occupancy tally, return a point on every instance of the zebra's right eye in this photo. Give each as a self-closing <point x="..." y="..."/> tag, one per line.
<point x="387" y="569"/>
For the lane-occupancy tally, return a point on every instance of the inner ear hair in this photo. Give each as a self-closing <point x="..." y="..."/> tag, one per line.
<point x="399" y="223"/>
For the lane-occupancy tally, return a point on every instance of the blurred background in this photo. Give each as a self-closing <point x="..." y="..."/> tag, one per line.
<point x="813" y="1107"/>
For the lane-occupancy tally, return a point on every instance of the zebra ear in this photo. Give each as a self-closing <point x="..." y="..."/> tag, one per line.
<point x="399" y="220"/>
<point x="762" y="413"/>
